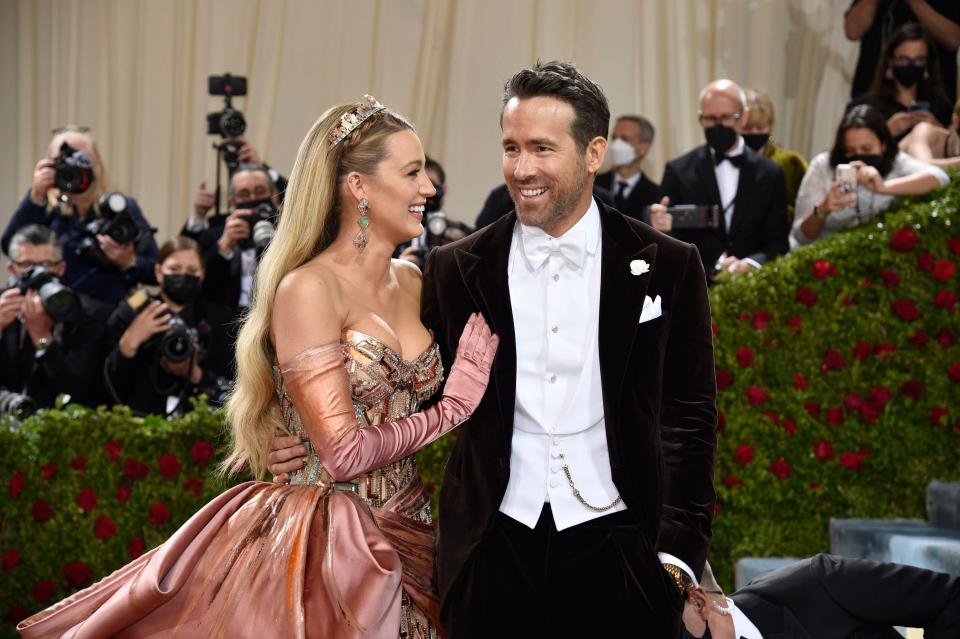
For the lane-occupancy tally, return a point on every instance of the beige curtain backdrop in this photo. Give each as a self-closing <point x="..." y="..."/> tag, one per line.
<point x="136" y="70"/>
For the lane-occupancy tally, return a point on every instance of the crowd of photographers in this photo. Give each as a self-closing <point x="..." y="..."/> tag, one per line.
<point x="93" y="312"/>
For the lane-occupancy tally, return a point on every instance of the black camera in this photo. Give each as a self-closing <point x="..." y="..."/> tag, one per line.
<point x="436" y="224"/>
<point x="690" y="216"/>
<point x="115" y="221"/>
<point x="59" y="302"/>
<point x="16" y="404"/>
<point x="73" y="170"/>
<point x="229" y="122"/>
<point x="179" y="342"/>
<point x="262" y="221"/>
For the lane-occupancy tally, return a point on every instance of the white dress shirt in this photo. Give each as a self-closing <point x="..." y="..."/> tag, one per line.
<point x="743" y="628"/>
<point x="728" y="181"/>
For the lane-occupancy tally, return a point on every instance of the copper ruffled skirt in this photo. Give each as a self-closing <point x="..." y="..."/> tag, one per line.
<point x="260" y="560"/>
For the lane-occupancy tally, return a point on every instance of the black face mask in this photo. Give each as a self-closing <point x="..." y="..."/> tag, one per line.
<point x="756" y="141"/>
<point x="182" y="288"/>
<point x="870" y="159"/>
<point x="720" y="137"/>
<point x="907" y="74"/>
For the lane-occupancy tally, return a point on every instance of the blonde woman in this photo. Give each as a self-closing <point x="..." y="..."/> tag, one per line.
<point x="332" y="350"/>
<point x="103" y="267"/>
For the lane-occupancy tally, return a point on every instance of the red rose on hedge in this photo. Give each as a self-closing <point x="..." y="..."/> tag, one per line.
<point x="903" y="240"/>
<point x="852" y="401"/>
<point x="823" y="450"/>
<point x="201" y="451"/>
<point x="724" y="379"/>
<point x="834" y="416"/>
<point x="168" y="465"/>
<point x="884" y="349"/>
<point x="10" y="559"/>
<point x="105" y="528"/>
<point x="123" y="494"/>
<point x="918" y="339"/>
<point x="721" y="422"/>
<point x="16" y="614"/>
<point x="832" y="361"/>
<point x="134" y="469"/>
<point x="41" y="511"/>
<point x="906" y="309"/>
<point x="799" y="381"/>
<point x="862" y="350"/>
<point x="43" y="590"/>
<point x="48" y="471"/>
<point x="761" y="319"/>
<point x="194" y="486"/>
<point x="756" y="395"/>
<point x="851" y="461"/>
<point x="714" y="329"/>
<point x="954" y="245"/>
<point x="945" y="338"/>
<point x="79" y="464"/>
<point x="943" y="270"/>
<point x="953" y="371"/>
<point x="790" y="426"/>
<point x="780" y="468"/>
<point x="159" y="513"/>
<point x="891" y="279"/>
<point x="745" y="356"/>
<point x="870" y="413"/>
<point x="822" y="269"/>
<point x="912" y="388"/>
<point x="732" y="482"/>
<point x="945" y="300"/>
<point x="136" y="547"/>
<point x="925" y="262"/>
<point x="880" y="395"/>
<point x="796" y="324"/>
<point x="937" y="413"/>
<point x="812" y="408"/>
<point x="17" y="482"/>
<point x="743" y="454"/>
<point x="87" y="499"/>
<point x="113" y="450"/>
<point x="77" y="573"/>
<point x="806" y="296"/>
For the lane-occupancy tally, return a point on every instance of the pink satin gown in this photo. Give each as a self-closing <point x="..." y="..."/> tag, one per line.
<point x="316" y="558"/>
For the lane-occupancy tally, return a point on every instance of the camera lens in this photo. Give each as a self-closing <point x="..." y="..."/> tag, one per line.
<point x="232" y="123"/>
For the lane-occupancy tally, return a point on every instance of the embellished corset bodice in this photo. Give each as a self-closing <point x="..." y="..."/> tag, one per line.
<point x="384" y="387"/>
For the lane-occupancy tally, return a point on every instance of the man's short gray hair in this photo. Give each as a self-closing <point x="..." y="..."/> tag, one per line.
<point x="251" y="168"/>
<point x="646" y="127"/>
<point x="34" y="235"/>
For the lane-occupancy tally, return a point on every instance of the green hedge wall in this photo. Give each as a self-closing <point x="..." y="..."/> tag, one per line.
<point x="839" y="375"/>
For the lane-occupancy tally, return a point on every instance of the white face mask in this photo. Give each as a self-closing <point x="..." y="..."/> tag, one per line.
<point x="622" y="153"/>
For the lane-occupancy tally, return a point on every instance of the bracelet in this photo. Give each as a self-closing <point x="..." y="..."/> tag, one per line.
<point x="680" y="578"/>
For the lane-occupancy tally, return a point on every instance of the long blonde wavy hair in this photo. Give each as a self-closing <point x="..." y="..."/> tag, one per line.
<point x="309" y="223"/>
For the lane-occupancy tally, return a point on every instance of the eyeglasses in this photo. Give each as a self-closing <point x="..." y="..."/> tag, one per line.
<point x="712" y="120"/>
<point x="70" y="128"/>
<point x="47" y="264"/>
<point x="902" y="60"/>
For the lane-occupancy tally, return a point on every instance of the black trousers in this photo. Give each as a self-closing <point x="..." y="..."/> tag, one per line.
<point x="601" y="578"/>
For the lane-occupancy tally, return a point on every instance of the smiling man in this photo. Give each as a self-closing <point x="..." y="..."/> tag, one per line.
<point x="579" y="498"/>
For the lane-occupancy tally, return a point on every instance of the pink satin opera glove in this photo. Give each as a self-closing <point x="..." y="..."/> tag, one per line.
<point x="317" y="382"/>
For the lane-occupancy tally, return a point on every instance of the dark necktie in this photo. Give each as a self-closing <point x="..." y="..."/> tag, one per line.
<point x="736" y="160"/>
<point x="620" y="197"/>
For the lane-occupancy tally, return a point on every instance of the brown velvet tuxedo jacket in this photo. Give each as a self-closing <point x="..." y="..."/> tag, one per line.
<point x="659" y="389"/>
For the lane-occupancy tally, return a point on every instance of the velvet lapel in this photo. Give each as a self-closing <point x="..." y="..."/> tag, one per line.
<point x="621" y="301"/>
<point x="483" y="267"/>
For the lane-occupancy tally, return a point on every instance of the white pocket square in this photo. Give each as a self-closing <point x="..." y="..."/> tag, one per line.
<point x="651" y="309"/>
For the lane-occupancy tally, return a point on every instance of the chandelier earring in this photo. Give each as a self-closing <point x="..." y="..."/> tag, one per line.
<point x="360" y="241"/>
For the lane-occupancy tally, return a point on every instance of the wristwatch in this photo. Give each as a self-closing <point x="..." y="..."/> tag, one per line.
<point x="681" y="578"/>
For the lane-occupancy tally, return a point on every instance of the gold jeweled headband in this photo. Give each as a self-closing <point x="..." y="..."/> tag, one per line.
<point x="354" y="118"/>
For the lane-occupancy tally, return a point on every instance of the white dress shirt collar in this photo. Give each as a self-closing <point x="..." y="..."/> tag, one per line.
<point x="581" y="239"/>
<point x="743" y="628"/>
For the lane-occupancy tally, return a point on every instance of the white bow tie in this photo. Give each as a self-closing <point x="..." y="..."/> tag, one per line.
<point x="538" y="248"/>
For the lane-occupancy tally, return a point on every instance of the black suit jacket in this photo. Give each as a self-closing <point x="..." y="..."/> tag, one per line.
<point x="759" y="226"/>
<point x="644" y="193"/>
<point x="72" y="363"/>
<point x="659" y="390"/>
<point x="827" y="597"/>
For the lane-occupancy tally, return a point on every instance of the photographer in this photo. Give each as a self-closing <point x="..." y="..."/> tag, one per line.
<point x="104" y="256"/>
<point x="231" y="260"/>
<point x="51" y="338"/>
<point x="170" y="347"/>
<point x="879" y="173"/>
